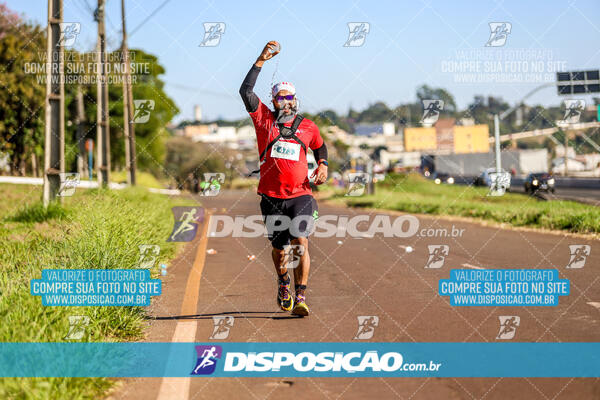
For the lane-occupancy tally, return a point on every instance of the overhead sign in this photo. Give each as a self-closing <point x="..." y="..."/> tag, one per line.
<point x="576" y="82"/>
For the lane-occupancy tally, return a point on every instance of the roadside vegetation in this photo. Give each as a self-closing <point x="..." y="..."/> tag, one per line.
<point x="92" y="229"/>
<point x="414" y="194"/>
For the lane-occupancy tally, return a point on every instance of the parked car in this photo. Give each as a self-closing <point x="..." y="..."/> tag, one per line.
<point x="440" y="178"/>
<point x="484" y="179"/>
<point x="539" y="182"/>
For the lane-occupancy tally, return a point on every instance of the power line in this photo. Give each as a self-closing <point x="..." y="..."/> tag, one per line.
<point x="148" y="17"/>
<point x="195" y="89"/>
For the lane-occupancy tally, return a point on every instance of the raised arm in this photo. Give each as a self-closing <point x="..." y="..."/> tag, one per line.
<point x="247" y="89"/>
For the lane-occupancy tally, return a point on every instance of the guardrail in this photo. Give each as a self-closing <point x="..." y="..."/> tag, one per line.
<point x="86" y="184"/>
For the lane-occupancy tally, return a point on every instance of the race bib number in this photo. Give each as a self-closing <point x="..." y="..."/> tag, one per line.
<point x="286" y="150"/>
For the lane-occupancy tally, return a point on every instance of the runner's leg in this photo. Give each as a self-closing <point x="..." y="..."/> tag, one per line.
<point x="303" y="268"/>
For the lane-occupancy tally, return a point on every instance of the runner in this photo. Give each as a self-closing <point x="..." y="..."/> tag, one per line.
<point x="283" y="138"/>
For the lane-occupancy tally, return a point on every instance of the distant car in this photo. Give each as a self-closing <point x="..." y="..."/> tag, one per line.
<point x="539" y="182"/>
<point x="439" y="178"/>
<point x="484" y="179"/>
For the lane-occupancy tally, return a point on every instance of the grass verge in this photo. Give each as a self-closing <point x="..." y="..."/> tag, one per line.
<point x="415" y="194"/>
<point x="92" y="229"/>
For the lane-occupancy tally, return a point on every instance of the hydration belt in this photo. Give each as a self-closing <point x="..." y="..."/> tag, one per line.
<point x="286" y="133"/>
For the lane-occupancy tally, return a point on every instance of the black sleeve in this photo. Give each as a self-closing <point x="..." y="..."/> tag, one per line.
<point x="320" y="153"/>
<point x="246" y="90"/>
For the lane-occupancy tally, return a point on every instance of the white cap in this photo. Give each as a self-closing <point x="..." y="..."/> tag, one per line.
<point x="283" y="86"/>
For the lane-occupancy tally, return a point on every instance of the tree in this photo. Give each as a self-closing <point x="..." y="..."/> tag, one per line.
<point x="21" y="95"/>
<point x="425" y="92"/>
<point x="147" y="85"/>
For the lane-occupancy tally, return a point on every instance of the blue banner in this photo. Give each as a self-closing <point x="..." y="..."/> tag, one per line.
<point x="299" y="359"/>
<point x="95" y="287"/>
<point x="504" y="287"/>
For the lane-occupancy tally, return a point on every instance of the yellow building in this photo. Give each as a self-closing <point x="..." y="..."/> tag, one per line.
<point x="417" y="139"/>
<point x="471" y="139"/>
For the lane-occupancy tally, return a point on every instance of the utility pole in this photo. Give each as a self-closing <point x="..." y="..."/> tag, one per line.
<point x="128" y="126"/>
<point x="54" y="146"/>
<point x="566" y="148"/>
<point x="80" y="121"/>
<point x="102" y="126"/>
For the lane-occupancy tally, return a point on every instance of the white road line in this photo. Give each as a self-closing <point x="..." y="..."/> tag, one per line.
<point x="471" y="266"/>
<point x="178" y="387"/>
<point x="185" y="331"/>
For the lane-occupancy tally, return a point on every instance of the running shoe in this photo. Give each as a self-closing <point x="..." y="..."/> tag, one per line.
<point x="300" y="308"/>
<point x="284" y="298"/>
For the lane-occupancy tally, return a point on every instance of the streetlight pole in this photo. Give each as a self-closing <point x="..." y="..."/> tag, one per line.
<point x="498" y="118"/>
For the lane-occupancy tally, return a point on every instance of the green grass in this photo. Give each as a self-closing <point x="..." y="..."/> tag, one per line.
<point x="92" y="229"/>
<point x="414" y="194"/>
<point x="143" y="179"/>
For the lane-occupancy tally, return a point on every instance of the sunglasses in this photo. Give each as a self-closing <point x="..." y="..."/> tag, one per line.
<point x="288" y="97"/>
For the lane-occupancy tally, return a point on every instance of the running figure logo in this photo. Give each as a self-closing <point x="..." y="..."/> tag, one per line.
<point x="148" y="255"/>
<point x="431" y="111"/>
<point x="68" y="33"/>
<point x="358" y="33"/>
<point x="573" y="111"/>
<point x="508" y="327"/>
<point x="68" y="184"/>
<point x="357" y="182"/>
<point x="212" y="183"/>
<point x="77" y="324"/>
<point x="212" y="34"/>
<point x="366" y="326"/>
<point x="498" y="34"/>
<point x="142" y="110"/>
<point x="500" y="181"/>
<point x="437" y="255"/>
<point x="186" y="223"/>
<point x="207" y="359"/>
<point x="222" y="326"/>
<point x="292" y="254"/>
<point x="579" y="254"/>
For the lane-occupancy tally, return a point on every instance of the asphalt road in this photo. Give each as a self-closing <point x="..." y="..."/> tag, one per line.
<point x="587" y="196"/>
<point x="368" y="276"/>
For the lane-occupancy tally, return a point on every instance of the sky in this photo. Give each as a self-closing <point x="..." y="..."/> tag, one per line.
<point x="408" y="44"/>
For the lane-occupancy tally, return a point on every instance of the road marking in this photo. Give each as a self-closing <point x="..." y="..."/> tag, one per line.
<point x="185" y="331"/>
<point x="471" y="266"/>
<point x="594" y="304"/>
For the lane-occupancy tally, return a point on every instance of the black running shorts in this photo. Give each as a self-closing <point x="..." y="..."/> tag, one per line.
<point x="287" y="219"/>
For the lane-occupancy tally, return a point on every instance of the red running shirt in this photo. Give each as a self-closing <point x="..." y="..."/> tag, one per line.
<point x="283" y="174"/>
